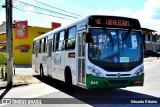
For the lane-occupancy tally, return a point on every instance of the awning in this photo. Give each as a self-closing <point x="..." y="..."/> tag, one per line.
<point x="22" y="47"/>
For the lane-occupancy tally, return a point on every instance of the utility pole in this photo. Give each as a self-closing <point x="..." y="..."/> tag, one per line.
<point x="9" y="42"/>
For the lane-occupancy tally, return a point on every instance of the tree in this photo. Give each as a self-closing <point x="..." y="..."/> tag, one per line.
<point x="3" y="58"/>
<point x="155" y="37"/>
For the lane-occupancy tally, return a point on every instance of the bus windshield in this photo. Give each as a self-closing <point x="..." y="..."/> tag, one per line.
<point x="115" y="45"/>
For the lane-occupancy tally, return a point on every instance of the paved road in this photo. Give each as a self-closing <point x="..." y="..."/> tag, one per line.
<point x="50" y="88"/>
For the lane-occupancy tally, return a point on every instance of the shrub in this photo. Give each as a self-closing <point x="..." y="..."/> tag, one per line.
<point x="3" y="58"/>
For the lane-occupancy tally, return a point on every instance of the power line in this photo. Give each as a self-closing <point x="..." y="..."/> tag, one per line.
<point x="57" y="8"/>
<point x="42" y="13"/>
<point x="47" y="10"/>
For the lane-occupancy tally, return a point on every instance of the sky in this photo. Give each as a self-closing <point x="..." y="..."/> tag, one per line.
<point x="146" y="11"/>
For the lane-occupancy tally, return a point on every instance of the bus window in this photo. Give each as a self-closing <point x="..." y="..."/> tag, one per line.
<point x="60" y="41"/>
<point x="54" y="36"/>
<point x="44" y="46"/>
<point x="70" y="39"/>
<point x="40" y="44"/>
<point x="33" y="49"/>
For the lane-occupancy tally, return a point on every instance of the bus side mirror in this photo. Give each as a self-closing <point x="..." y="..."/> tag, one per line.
<point x="89" y="39"/>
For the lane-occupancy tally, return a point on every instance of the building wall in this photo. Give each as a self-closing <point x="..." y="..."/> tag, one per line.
<point x="146" y="34"/>
<point x="2" y="36"/>
<point x="3" y="39"/>
<point x="25" y="58"/>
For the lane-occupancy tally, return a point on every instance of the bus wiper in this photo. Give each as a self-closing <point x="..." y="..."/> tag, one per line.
<point x="125" y="37"/>
<point x="108" y="34"/>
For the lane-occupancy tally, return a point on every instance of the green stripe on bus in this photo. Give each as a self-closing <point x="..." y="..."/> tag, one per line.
<point x="98" y="82"/>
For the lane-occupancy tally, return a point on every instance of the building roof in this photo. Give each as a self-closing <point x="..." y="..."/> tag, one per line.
<point x="146" y="29"/>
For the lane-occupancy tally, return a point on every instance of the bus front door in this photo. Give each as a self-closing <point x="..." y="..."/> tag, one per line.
<point x="81" y="58"/>
<point x="49" y="57"/>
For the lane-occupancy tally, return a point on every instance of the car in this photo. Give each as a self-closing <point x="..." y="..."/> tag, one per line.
<point x="151" y="53"/>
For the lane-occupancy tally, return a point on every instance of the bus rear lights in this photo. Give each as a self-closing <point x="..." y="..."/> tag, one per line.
<point x="137" y="82"/>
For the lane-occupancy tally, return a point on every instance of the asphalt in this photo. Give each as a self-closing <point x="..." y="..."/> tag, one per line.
<point x="26" y="77"/>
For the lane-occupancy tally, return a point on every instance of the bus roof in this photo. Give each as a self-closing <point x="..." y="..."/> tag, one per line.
<point x="90" y="17"/>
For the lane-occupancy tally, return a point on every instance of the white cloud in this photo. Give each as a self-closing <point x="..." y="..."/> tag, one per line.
<point x="47" y="22"/>
<point x="31" y="1"/>
<point x="122" y="12"/>
<point x="58" y="20"/>
<point x="3" y="17"/>
<point x="60" y="1"/>
<point x="29" y="9"/>
<point x="149" y="16"/>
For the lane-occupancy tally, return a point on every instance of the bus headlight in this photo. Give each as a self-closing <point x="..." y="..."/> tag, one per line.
<point x="95" y="72"/>
<point x="138" y="72"/>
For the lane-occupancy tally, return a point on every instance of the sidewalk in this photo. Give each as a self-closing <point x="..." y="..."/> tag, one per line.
<point x="24" y="76"/>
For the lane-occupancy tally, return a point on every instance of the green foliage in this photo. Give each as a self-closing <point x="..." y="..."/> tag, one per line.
<point x="3" y="58"/>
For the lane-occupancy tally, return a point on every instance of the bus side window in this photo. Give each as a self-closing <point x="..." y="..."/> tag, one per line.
<point x="44" y="46"/>
<point x="54" y="42"/>
<point x="33" y="48"/>
<point x="71" y="38"/>
<point x="60" y="41"/>
<point x="40" y="44"/>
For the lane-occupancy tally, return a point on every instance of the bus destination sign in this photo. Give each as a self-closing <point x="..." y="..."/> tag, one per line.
<point x="110" y="21"/>
<point x="117" y="22"/>
<point x="113" y="22"/>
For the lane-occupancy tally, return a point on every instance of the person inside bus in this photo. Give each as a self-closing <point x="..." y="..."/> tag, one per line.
<point x="95" y="51"/>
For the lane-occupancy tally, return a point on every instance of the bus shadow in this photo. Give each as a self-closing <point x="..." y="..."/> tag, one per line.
<point x="99" y="96"/>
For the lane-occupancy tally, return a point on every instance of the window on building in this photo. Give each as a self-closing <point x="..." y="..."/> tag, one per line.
<point x="71" y="38"/>
<point x="24" y="50"/>
<point x="60" y="41"/>
<point x="149" y="38"/>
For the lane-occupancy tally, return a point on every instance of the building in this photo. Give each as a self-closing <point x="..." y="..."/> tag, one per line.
<point x="22" y="41"/>
<point x="3" y="37"/>
<point x="150" y="41"/>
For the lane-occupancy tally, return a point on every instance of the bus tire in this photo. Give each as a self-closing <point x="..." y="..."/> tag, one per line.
<point x="41" y="71"/>
<point x="69" y="88"/>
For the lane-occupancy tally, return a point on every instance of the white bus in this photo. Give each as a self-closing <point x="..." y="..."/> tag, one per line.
<point x="94" y="52"/>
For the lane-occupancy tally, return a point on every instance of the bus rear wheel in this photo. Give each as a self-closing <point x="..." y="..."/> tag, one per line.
<point x="41" y="71"/>
<point x="69" y="88"/>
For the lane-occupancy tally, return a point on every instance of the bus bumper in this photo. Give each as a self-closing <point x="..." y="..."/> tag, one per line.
<point x="97" y="82"/>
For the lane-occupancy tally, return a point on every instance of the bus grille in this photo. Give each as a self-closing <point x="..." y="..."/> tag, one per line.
<point x="118" y="81"/>
<point x="116" y="75"/>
